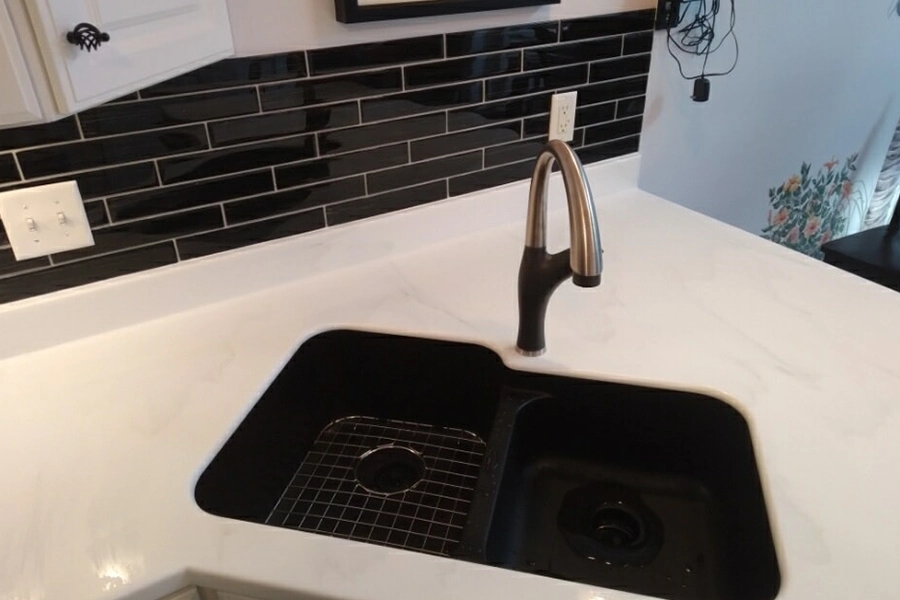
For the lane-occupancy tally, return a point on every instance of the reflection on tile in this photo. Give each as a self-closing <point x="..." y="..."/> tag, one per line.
<point x="294" y="200"/>
<point x="391" y="179"/>
<point x="466" y="140"/>
<point x="342" y="166"/>
<point x="612" y="90"/>
<point x="38" y="135"/>
<point x="578" y="142"/>
<point x="412" y="103"/>
<point x="356" y="138"/>
<point x="309" y="92"/>
<point x="281" y="124"/>
<point x="591" y="115"/>
<point x="515" y="152"/>
<point x="238" y="158"/>
<point x="8" y="170"/>
<point x="591" y="154"/>
<point x="501" y="38"/>
<point x="249" y="234"/>
<point x="536" y="126"/>
<point x="566" y="54"/>
<point x="105" y="182"/>
<point x="384" y="203"/>
<point x="9" y="264"/>
<point x="232" y="72"/>
<point x="593" y="27"/>
<point x="622" y="67"/>
<point x="147" y="231"/>
<point x="489" y="178"/>
<point x="612" y="130"/>
<point x="96" y="213"/>
<point x="165" y="112"/>
<point x="87" y="271"/>
<point x="462" y="69"/>
<point x="537" y="81"/>
<point x="495" y="112"/>
<point x="54" y="160"/>
<point x="377" y="54"/>
<point x="630" y="107"/>
<point x="638" y="43"/>
<point x="178" y="197"/>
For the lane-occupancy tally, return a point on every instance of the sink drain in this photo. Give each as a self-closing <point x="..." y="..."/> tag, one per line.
<point x="616" y="527"/>
<point x="611" y="524"/>
<point x="390" y="469"/>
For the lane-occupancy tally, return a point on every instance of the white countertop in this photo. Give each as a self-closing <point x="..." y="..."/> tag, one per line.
<point x="114" y="397"/>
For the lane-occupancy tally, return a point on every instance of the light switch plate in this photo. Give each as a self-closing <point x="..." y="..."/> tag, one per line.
<point x="44" y="220"/>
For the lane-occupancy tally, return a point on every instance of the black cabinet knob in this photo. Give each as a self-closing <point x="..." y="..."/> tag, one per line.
<point x="87" y="37"/>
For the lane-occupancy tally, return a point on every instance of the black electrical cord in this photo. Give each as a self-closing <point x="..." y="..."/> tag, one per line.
<point x="698" y="36"/>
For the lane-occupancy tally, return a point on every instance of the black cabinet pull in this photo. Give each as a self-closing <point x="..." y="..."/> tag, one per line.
<point x="87" y="37"/>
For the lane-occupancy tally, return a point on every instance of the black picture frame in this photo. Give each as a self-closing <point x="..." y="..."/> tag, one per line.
<point x="349" y="11"/>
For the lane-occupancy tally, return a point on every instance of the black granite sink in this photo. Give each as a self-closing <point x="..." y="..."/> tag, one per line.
<point x="438" y="447"/>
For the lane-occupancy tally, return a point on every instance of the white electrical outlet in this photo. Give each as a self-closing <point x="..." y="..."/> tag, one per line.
<point x="44" y="220"/>
<point x="562" y="116"/>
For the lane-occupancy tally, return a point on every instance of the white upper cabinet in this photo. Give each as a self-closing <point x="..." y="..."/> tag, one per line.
<point x="149" y="41"/>
<point x="18" y="101"/>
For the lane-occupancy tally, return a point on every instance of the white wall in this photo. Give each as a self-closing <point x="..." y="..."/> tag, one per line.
<point x="266" y="26"/>
<point x="817" y="79"/>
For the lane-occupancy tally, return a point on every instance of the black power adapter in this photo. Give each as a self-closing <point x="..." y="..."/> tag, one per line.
<point x="701" y="90"/>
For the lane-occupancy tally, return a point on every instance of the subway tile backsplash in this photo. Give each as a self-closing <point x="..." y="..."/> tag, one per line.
<point x="254" y="149"/>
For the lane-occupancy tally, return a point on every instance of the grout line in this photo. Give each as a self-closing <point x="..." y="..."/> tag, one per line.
<point x="120" y="251"/>
<point x="375" y="68"/>
<point x="50" y="260"/>
<point x="209" y="143"/>
<point x="609" y="141"/>
<point x="274" y="179"/>
<point x="444" y="46"/>
<point x="483" y="159"/>
<point x="366" y="184"/>
<point x="258" y="102"/>
<point x="106" y="209"/>
<point x="7" y="277"/>
<point x="18" y="168"/>
<point x="224" y="216"/>
<point x="156" y="169"/>
<point x="259" y="220"/>
<point x="484" y="81"/>
<point x="78" y="125"/>
<point x="177" y="251"/>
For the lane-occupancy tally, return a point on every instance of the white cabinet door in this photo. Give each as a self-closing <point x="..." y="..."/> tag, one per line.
<point x="18" y="102"/>
<point x="150" y="41"/>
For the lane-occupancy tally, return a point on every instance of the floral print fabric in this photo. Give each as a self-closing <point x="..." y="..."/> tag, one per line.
<point x="808" y="210"/>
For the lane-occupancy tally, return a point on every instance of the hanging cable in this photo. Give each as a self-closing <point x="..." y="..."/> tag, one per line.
<point x="694" y="34"/>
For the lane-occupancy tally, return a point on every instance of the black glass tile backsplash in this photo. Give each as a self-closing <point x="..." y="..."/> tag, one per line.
<point x="8" y="170"/>
<point x="259" y="148"/>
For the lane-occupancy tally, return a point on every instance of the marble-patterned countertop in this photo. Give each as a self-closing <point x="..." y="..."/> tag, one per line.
<point x="114" y="397"/>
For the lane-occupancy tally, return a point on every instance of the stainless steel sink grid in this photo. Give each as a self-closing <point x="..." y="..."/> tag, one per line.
<point x="325" y="495"/>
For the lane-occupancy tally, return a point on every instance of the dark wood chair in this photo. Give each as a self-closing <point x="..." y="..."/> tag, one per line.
<point x="872" y="254"/>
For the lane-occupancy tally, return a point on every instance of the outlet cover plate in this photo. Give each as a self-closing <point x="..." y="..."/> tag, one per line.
<point x="563" y="109"/>
<point x="45" y="220"/>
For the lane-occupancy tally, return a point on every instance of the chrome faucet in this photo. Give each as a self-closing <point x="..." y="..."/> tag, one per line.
<point x="541" y="273"/>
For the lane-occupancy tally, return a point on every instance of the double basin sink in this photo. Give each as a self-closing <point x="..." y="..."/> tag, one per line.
<point x="438" y="447"/>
